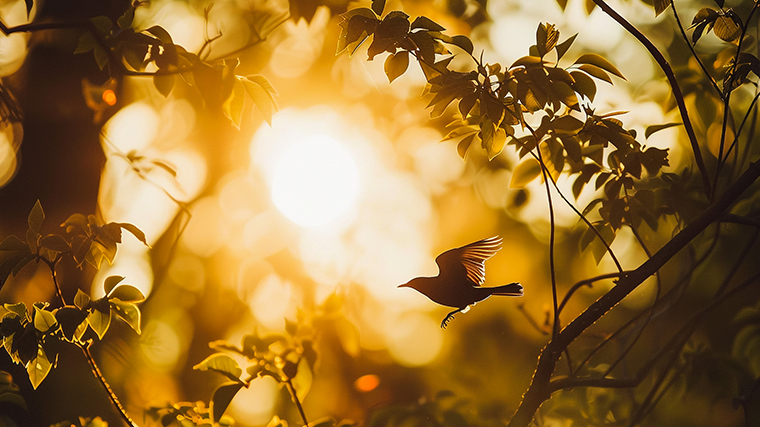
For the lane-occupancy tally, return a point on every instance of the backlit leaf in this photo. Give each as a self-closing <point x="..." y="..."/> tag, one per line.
<point x="55" y="242"/>
<point x="261" y="98"/>
<point x="127" y="293"/>
<point x="463" y="42"/>
<point x="86" y="43"/>
<point x="111" y="282"/>
<point x="128" y="312"/>
<point x="599" y="61"/>
<point x="221" y="363"/>
<point x="222" y="397"/>
<point x="38" y="368"/>
<point x="427" y="24"/>
<point x="99" y="322"/>
<point x="18" y="308"/>
<point x="36" y="216"/>
<point x="164" y="83"/>
<point x="13" y="243"/>
<point x="497" y="144"/>
<point x="564" y="46"/>
<point x="660" y="6"/>
<point x="233" y="106"/>
<point x="134" y="231"/>
<point x="525" y="172"/>
<point x="81" y="300"/>
<point x="43" y="320"/>
<point x="303" y="379"/>
<point x="396" y="64"/>
<point x="597" y="72"/>
<point x="547" y="37"/>
<point x="726" y="28"/>
<point x="656" y="128"/>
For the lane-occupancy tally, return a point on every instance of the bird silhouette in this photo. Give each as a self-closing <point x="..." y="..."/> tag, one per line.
<point x="461" y="271"/>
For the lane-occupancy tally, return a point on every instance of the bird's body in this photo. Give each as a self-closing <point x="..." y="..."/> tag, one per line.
<point x="461" y="272"/>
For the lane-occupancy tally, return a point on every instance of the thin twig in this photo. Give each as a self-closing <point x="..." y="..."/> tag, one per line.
<point x="51" y="265"/>
<point x="588" y="282"/>
<point x="694" y="53"/>
<point x="294" y="396"/>
<point x="99" y="375"/>
<point x="545" y="172"/>
<point x="677" y="94"/>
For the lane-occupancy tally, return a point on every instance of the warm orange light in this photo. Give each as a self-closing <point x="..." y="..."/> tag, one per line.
<point x="367" y="383"/>
<point x="109" y="97"/>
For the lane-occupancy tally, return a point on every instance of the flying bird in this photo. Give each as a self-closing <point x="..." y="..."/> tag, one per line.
<point x="461" y="271"/>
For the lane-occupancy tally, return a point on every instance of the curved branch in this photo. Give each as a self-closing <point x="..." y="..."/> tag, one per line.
<point x="677" y="94"/>
<point x="539" y="390"/>
<point x="588" y="282"/>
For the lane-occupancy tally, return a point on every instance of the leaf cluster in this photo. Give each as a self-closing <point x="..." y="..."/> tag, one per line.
<point x="130" y="52"/>
<point x="33" y="337"/>
<point x="288" y="358"/>
<point x="496" y="103"/>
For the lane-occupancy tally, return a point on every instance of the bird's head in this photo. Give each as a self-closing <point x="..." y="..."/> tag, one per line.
<point x="414" y="284"/>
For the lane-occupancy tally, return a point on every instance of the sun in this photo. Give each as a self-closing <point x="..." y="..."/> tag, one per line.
<point x="315" y="182"/>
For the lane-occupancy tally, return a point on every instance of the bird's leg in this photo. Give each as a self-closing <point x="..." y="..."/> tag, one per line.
<point x="449" y="317"/>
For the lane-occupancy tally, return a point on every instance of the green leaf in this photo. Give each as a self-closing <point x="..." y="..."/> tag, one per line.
<point x="222" y="397"/>
<point x="396" y="64"/>
<point x="497" y="144"/>
<point x="127" y="293"/>
<point x="426" y="23"/>
<point x="129" y="312"/>
<point x="102" y="23"/>
<point x="656" y="128"/>
<point x="18" y="308"/>
<point x="726" y="28"/>
<point x="13" y="243"/>
<point x="70" y="318"/>
<point x="597" y="72"/>
<point x="99" y="322"/>
<point x="233" y="106"/>
<point x="356" y="25"/>
<point x="564" y="46"/>
<point x="44" y="320"/>
<point x="221" y="363"/>
<point x="36" y="216"/>
<point x="377" y="7"/>
<point x="75" y="221"/>
<point x="161" y="34"/>
<point x="164" y="83"/>
<point x="134" y="231"/>
<point x="261" y="98"/>
<point x="86" y="43"/>
<point x="463" y="42"/>
<point x="599" y="61"/>
<point x="55" y="242"/>
<point x="464" y="145"/>
<point x="528" y="170"/>
<point x="101" y="57"/>
<point x="111" y="282"/>
<point x="547" y="37"/>
<point x="38" y="368"/>
<point x="660" y="6"/>
<point x="81" y="300"/>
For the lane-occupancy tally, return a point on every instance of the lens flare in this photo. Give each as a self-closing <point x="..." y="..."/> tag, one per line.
<point x="316" y="182"/>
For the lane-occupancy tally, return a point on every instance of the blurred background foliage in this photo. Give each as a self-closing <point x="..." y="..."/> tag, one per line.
<point x="314" y="219"/>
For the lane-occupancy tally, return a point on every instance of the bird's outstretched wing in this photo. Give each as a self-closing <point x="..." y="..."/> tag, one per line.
<point x="469" y="260"/>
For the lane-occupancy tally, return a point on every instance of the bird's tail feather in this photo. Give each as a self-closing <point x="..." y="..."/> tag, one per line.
<point x="512" y="289"/>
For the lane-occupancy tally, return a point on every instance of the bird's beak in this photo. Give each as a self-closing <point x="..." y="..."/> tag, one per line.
<point x="405" y="285"/>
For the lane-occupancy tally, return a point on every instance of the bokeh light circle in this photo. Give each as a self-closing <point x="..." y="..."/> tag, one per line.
<point x="315" y="182"/>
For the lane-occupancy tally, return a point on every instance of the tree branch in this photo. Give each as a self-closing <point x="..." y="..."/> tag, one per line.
<point x="539" y="390"/>
<point x="99" y="375"/>
<point x="677" y="94"/>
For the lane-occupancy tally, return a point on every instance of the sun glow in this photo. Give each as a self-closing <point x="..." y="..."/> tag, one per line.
<point x="315" y="182"/>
